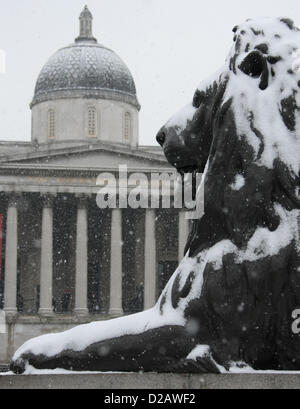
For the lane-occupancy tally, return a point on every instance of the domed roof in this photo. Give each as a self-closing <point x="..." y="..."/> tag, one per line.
<point x="85" y="69"/>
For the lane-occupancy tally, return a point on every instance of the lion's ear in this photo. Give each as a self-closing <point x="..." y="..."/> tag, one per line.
<point x="255" y="65"/>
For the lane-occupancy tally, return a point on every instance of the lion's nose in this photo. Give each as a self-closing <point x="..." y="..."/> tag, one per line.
<point x="161" y="137"/>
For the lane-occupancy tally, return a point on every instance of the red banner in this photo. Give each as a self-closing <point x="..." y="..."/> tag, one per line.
<point x="1" y="241"/>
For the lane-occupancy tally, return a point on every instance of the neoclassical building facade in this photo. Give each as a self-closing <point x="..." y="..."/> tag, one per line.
<point x="63" y="259"/>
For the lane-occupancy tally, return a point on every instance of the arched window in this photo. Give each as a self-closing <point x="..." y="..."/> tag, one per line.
<point x="127" y="126"/>
<point x="51" y="124"/>
<point x="92" y="121"/>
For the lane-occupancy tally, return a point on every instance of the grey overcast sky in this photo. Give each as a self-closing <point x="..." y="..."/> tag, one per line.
<point x="168" y="45"/>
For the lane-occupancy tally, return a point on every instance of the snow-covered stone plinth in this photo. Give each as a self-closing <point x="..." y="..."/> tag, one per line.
<point x="152" y="381"/>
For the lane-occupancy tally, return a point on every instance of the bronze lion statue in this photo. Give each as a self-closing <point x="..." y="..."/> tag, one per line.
<point x="232" y="300"/>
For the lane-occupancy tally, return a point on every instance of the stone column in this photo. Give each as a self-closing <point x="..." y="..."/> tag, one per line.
<point x="150" y="260"/>
<point x="46" y="278"/>
<point x="81" y="279"/>
<point x="11" y="257"/>
<point x="115" y="301"/>
<point x="183" y="234"/>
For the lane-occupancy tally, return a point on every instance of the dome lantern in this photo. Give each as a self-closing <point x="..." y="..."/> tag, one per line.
<point x="86" y="26"/>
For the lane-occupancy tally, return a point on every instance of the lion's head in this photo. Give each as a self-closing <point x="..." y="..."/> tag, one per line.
<point x="243" y="125"/>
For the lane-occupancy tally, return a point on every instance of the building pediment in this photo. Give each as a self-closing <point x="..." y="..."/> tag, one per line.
<point x="96" y="157"/>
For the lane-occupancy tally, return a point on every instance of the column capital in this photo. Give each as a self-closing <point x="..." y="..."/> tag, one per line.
<point x="47" y="200"/>
<point x="151" y="211"/>
<point x="13" y="199"/>
<point x="82" y="201"/>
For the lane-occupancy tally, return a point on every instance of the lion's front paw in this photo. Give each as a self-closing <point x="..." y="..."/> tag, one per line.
<point x="18" y="366"/>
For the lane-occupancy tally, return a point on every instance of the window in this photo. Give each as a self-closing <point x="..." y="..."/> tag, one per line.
<point x="92" y="116"/>
<point x="127" y="126"/>
<point x="51" y="123"/>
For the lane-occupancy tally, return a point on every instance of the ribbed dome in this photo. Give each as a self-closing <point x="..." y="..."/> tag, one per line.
<point x="85" y="69"/>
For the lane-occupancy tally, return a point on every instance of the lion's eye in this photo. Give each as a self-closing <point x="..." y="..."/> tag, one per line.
<point x="197" y="100"/>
